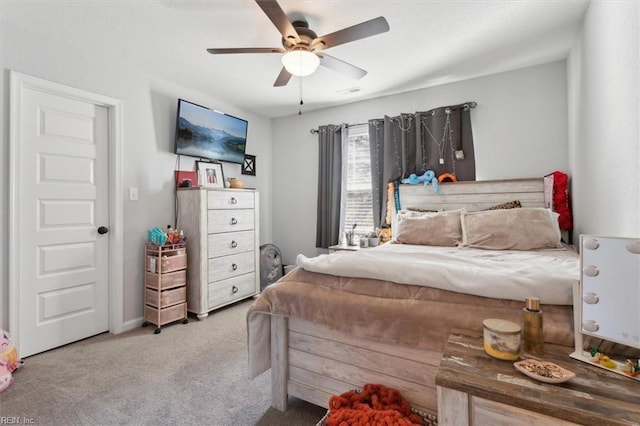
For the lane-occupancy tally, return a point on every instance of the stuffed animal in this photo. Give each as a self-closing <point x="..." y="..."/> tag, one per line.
<point x="9" y="353"/>
<point x="9" y="361"/>
<point x="427" y="177"/>
<point x="6" y="379"/>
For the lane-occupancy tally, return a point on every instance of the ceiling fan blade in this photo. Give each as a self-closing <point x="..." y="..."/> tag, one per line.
<point x="247" y="50"/>
<point x="341" y="66"/>
<point x="283" y="78"/>
<point x="274" y="12"/>
<point x="359" y="31"/>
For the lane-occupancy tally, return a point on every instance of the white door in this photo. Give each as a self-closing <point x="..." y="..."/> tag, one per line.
<point x="63" y="173"/>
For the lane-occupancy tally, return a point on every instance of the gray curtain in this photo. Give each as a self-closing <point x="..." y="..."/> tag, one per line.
<point x="414" y="143"/>
<point x="329" y="184"/>
<point x="456" y="149"/>
<point x="392" y="142"/>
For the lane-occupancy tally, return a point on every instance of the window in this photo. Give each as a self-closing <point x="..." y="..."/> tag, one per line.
<point x="357" y="194"/>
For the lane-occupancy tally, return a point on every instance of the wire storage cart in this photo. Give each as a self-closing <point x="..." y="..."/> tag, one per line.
<point x="165" y="284"/>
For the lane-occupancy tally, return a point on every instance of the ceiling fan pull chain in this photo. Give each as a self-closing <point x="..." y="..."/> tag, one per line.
<point x="301" y="103"/>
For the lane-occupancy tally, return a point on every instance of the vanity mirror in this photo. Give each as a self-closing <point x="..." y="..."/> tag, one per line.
<point x="607" y="300"/>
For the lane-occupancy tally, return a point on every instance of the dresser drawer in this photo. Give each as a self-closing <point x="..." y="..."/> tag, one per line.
<point x="224" y="267"/>
<point x="230" y="243"/>
<point x="229" y="220"/>
<point x="485" y="412"/>
<point x="227" y="291"/>
<point x="230" y="200"/>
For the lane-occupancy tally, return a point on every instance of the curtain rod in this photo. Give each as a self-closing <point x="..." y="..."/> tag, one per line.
<point x="315" y="131"/>
<point x="465" y="105"/>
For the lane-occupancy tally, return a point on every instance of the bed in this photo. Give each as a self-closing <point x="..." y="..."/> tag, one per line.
<point x="384" y="314"/>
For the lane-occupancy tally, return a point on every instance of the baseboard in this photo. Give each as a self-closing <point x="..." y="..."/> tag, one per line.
<point x="134" y="323"/>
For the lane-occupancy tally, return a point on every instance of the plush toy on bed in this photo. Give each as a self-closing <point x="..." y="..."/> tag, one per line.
<point x="427" y="177"/>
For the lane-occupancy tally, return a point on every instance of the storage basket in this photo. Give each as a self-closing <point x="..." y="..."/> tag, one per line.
<point x="166" y="298"/>
<point x="166" y="280"/>
<point x="157" y="236"/>
<point x="167" y="315"/>
<point x="170" y="258"/>
<point x="427" y="419"/>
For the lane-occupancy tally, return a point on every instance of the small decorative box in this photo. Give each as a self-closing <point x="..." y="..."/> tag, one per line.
<point x="502" y="339"/>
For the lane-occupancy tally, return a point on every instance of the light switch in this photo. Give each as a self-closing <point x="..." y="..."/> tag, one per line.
<point x="133" y="194"/>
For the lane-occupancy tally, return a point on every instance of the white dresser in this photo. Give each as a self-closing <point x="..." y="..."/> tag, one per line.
<point x="223" y="246"/>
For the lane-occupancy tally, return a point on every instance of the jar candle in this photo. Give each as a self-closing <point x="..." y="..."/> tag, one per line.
<point x="502" y="339"/>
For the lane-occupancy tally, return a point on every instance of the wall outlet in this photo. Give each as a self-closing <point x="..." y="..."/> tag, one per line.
<point x="133" y="194"/>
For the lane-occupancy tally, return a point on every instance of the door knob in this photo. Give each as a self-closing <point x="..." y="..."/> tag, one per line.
<point x="103" y="230"/>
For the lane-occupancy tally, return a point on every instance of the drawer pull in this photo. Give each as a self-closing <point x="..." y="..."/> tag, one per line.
<point x="234" y="267"/>
<point x="234" y="221"/>
<point x="234" y="289"/>
<point x="233" y="200"/>
<point x="234" y="244"/>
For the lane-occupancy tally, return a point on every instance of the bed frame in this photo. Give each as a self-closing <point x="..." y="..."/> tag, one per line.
<point x="312" y="362"/>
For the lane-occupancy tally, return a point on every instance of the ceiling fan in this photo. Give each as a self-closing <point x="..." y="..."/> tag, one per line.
<point x="303" y="49"/>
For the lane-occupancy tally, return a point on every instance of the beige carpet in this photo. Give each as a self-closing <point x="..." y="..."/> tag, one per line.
<point x="193" y="374"/>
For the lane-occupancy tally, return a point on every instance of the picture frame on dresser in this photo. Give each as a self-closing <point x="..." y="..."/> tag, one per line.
<point x="210" y="174"/>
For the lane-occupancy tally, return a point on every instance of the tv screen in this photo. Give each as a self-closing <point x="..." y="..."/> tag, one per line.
<point x="209" y="134"/>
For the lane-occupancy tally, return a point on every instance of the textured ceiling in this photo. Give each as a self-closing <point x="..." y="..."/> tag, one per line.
<point x="429" y="43"/>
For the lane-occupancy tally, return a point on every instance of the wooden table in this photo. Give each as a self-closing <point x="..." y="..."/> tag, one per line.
<point x="476" y="389"/>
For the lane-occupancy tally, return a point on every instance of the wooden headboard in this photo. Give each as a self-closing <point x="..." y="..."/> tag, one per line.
<point x="473" y="195"/>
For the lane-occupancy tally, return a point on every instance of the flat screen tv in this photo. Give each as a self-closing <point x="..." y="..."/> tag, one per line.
<point x="209" y="134"/>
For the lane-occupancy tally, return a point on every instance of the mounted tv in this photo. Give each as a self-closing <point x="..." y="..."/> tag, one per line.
<point x="209" y="134"/>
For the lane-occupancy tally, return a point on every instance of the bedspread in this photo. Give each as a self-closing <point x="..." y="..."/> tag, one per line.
<point x="503" y="274"/>
<point x="384" y="311"/>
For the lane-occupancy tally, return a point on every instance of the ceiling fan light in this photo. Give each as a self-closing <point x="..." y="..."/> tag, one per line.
<point x="300" y="62"/>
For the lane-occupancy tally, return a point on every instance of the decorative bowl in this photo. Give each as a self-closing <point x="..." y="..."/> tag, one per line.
<point x="544" y="371"/>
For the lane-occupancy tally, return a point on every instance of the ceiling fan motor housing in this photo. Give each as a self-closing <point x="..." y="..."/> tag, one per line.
<point x="307" y="38"/>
